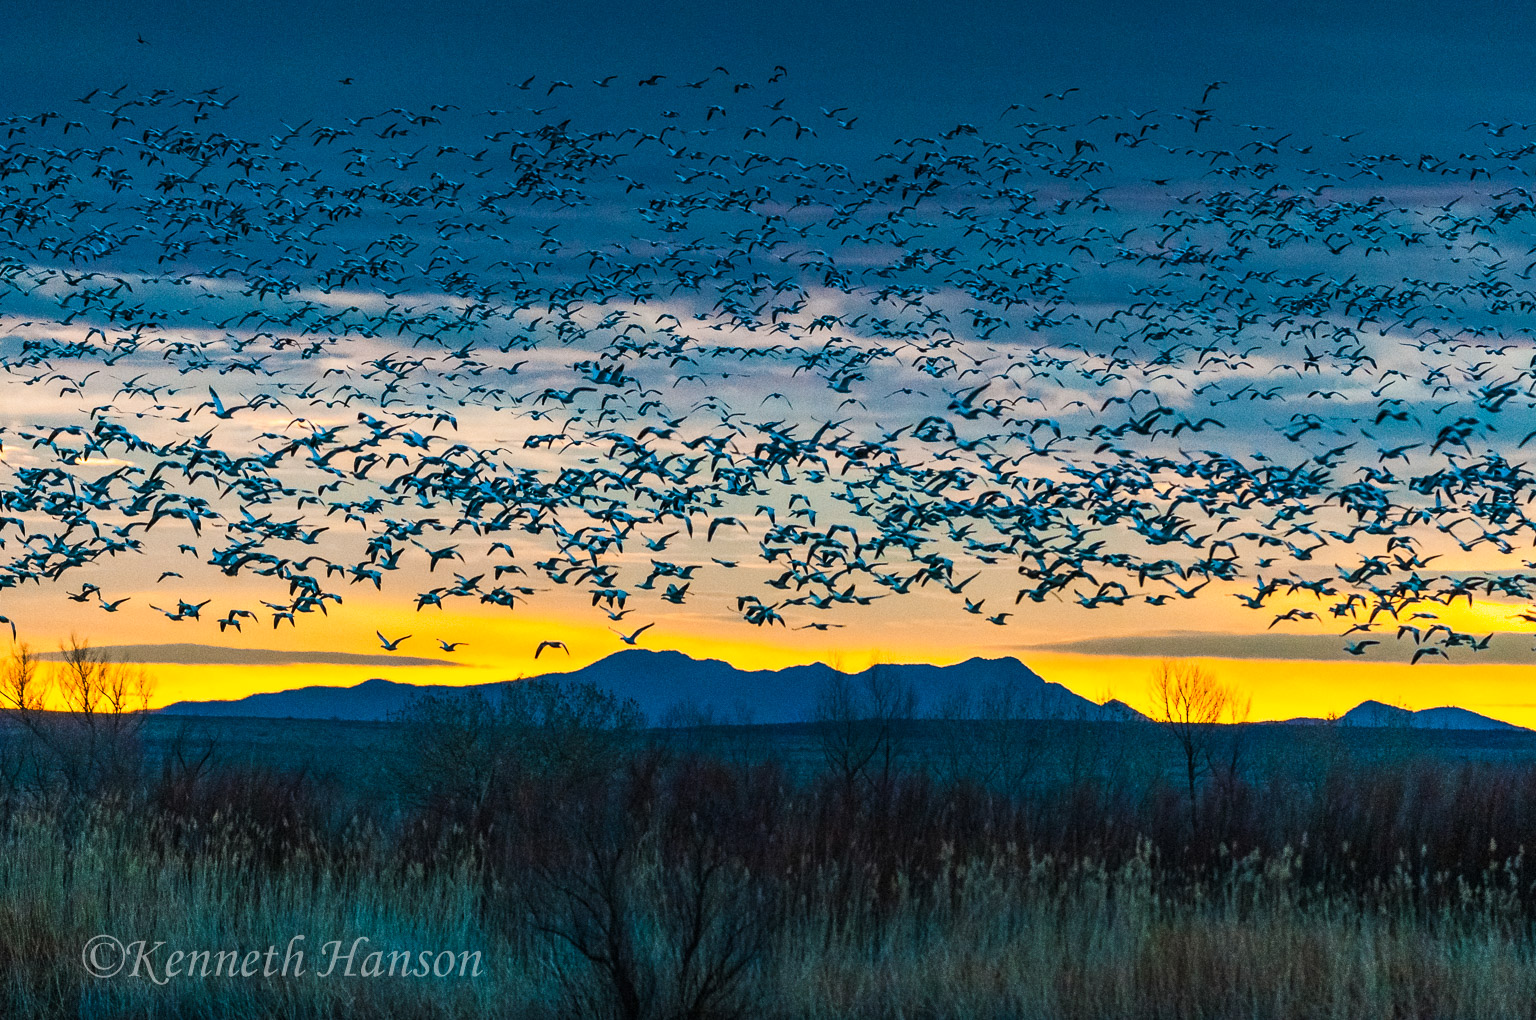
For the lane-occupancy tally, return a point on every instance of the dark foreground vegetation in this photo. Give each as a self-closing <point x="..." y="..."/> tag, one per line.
<point x="606" y="870"/>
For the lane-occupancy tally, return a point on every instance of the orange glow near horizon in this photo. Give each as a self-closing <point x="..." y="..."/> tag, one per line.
<point x="1280" y="689"/>
<point x="1291" y="688"/>
<point x="498" y="645"/>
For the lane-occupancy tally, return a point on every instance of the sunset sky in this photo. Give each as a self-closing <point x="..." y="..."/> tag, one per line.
<point x="405" y="369"/>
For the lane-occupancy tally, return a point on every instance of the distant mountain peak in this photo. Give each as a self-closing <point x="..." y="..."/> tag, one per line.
<point x="1447" y="717"/>
<point x="660" y="679"/>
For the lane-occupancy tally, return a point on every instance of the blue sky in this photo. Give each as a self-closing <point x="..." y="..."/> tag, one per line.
<point x="1406" y="72"/>
<point x="1293" y="80"/>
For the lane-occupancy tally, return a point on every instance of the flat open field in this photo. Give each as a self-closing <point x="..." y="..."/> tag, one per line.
<point x="358" y="754"/>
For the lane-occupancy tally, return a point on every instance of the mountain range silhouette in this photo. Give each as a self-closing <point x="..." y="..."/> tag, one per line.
<point x="662" y="682"/>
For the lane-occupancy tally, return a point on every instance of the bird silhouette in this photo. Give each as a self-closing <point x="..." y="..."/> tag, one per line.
<point x="1092" y="359"/>
<point x="629" y="639"/>
<point x="390" y="645"/>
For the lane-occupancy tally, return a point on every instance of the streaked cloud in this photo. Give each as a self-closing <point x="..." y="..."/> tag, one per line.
<point x="1503" y="648"/>
<point x="216" y="655"/>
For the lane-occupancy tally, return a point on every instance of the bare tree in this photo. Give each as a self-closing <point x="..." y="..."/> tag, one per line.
<point x="83" y="713"/>
<point x="19" y="687"/>
<point x="859" y="723"/>
<point x="993" y="738"/>
<point x="692" y="728"/>
<point x="1227" y="750"/>
<point x="640" y="931"/>
<point x="1188" y="701"/>
<point x="22" y="687"/>
<point x="458" y="748"/>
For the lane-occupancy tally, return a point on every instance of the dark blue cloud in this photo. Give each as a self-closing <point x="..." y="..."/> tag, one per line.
<point x="1407" y="72"/>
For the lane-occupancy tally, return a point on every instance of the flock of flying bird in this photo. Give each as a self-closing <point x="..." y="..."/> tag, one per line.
<point x="1126" y="359"/>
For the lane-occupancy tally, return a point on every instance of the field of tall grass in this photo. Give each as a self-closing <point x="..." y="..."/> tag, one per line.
<point x="693" y="888"/>
<point x="601" y="872"/>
